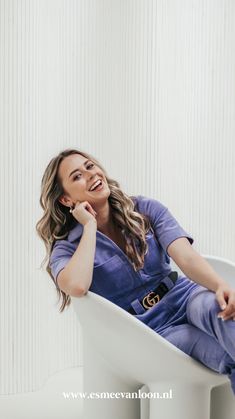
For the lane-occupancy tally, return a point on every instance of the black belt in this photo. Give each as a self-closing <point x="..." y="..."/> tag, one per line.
<point x="155" y="295"/>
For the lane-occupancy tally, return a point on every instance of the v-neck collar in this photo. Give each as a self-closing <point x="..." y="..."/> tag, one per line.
<point x="77" y="231"/>
<point x="113" y="243"/>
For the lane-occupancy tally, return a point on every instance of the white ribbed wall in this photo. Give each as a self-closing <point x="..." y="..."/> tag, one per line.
<point x="148" y="87"/>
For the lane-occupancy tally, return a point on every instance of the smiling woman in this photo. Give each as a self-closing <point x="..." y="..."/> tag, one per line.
<point x="68" y="200"/>
<point x="100" y="239"/>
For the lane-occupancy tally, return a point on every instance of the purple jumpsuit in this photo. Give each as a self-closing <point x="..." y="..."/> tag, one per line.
<point x="186" y="315"/>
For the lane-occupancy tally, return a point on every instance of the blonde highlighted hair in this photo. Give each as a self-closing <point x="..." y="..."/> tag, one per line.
<point x="57" y="221"/>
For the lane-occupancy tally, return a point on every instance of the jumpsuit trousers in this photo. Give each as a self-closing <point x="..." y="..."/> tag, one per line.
<point x="206" y="337"/>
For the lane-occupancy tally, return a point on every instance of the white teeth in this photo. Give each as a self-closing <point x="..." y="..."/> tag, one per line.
<point x="95" y="184"/>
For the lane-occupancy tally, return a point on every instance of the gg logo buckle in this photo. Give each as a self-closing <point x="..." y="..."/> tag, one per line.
<point x="150" y="300"/>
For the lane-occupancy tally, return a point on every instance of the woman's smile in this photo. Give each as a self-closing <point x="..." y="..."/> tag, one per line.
<point x="99" y="187"/>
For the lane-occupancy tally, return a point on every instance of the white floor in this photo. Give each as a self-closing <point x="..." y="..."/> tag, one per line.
<point x="48" y="403"/>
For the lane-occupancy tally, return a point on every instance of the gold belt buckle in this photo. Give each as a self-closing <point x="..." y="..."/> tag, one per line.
<point x="150" y="300"/>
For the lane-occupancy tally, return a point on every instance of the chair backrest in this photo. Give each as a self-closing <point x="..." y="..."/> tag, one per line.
<point x="224" y="267"/>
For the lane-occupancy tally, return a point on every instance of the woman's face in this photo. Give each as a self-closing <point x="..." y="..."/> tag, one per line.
<point x="77" y="175"/>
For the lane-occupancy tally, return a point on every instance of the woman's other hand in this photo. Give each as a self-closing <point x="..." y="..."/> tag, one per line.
<point x="225" y="292"/>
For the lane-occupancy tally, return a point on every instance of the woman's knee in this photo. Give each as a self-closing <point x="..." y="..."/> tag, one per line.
<point x="203" y="304"/>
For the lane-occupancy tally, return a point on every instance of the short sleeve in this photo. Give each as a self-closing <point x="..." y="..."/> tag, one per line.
<point x="61" y="254"/>
<point x="165" y="226"/>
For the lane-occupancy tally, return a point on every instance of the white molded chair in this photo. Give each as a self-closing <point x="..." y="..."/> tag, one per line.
<point x="122" y="354"/>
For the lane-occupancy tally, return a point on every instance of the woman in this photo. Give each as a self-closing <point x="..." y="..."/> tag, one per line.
<point x="99" y="238"/>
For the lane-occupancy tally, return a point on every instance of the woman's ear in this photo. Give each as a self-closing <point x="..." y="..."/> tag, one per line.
<point x="64" y="201"/>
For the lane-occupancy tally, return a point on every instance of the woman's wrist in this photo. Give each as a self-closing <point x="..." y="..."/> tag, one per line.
<point x="221" y="282"/>
<point x="91" y="224"/>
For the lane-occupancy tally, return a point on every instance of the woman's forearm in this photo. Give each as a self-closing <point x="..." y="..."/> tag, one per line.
<point x="80" y="267"/>
<point x="199" y="270"/>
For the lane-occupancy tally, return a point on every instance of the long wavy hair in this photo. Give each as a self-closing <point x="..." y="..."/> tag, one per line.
<point x="57" y="221"/>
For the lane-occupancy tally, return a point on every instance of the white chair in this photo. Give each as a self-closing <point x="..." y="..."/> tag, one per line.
<point x="122" y="354"/>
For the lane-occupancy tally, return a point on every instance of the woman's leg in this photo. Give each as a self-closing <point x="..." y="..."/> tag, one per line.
<point x="202" y="347"/>
<point x="202" y="310"/>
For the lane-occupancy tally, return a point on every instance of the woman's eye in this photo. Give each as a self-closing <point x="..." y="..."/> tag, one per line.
<point x="89" y="165"/>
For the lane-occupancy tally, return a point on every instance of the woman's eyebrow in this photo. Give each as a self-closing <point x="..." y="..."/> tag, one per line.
<point x="78" y="168"/>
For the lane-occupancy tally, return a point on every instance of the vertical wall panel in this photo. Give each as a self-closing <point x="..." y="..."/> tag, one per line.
<point x="145" y="86"/>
